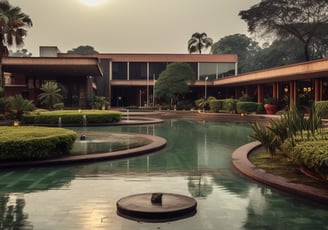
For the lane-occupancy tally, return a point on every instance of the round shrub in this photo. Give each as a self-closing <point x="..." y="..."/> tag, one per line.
<point x="246" y="107"/>
<point x="34" y="143"/>
<point x="216" y="105"/>
<point x="230" y="105"/>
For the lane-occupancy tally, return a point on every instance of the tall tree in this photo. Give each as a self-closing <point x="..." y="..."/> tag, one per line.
<point x="278" y="53"/>
<point x="20" y="53"/>
<point x="304" y="20"/>
<point x="172" y="82"/>
<point x="241" y="45"/>
<point x="83" y="50"/>
<point x="13" y="24"/>
<point x="198" y="42"/>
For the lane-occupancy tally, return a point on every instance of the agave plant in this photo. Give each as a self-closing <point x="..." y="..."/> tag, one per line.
<point x="268" y="139"/>
<point x="279" y="128"/>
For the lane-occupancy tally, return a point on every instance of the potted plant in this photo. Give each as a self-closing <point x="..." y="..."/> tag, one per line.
<point x="270" y="105"/>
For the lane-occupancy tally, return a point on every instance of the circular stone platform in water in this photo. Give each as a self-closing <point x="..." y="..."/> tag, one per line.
<point x="156" y="207"/>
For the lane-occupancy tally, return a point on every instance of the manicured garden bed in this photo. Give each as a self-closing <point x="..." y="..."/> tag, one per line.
<point x="20" y="143"/>
<point x="71" y="117"/>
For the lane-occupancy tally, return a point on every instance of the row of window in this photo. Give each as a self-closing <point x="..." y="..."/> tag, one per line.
<point x="151" y="70"/>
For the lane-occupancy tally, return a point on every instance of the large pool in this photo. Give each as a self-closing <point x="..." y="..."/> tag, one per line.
<point x="196" y="162"/>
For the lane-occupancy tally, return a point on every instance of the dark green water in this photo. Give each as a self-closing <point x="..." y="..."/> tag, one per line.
<point x="196" y="162"/>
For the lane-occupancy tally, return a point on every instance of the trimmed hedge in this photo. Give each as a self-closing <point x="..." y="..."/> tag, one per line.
<point x="227" y="105"/>
<point x="312" y="154"/>
<point x="322" y="108"/>
<point x="216" y="105"/>
<point x="72" y="117"/>
<point x="247" y="107"/>
<point x="34" y="143"/>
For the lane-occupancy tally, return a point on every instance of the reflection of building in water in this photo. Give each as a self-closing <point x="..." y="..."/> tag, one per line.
<point x="257" y="202"/>
<point x="12" y="212"/>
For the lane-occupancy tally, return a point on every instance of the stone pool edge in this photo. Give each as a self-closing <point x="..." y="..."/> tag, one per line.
<point x="241" y="162"/>
<point x="157" y="143"/>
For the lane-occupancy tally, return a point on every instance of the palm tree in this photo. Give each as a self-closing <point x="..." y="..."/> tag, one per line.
<point x="51" y="94"/>
<point x="18" y="105"/>
<point x="12" y="29"/>
<point x="199" y="41"/>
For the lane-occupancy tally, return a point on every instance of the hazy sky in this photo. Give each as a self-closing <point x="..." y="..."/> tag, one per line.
<point x="129" y="26"/>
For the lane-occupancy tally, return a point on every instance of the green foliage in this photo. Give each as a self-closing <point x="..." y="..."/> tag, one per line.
<point x="203" y="103"/>
<point x="72" y="117"/>
<point x="59" y="105"/>
<point x="279" y="128"/>
<point x="267" y="138"/>
<point x="260" y="108"/>
<point x="303" y="20"/>
<point x="51" y="94"/>
<point x="172" y="82"/>
<point x="246" y="107"/>
<point x="322" y="108"/>
<point x="17" y="105"/>
<point x="13" y="29"/>
<point x="99" y="102"/>
<point x="3" y="105"/>
<point x="198" y="42"/>
<point x="278" y="53"/>
<point x="270" y="101"/>
<point x="34" y="143"/>
<point x="216" y="105"/>
<point x="245" y="97"/>
<point x="83" y="50"/>
<point x="241" y="45"/>
<point x="184" y="105"/>
<point x="230" y="105"/>
<point x="313" y="155"/>
<point x="288" y="130"/>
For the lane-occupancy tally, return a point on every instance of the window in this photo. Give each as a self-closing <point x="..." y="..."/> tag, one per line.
<point x="226" y="69"/>
<point x="119" y="71"/>
<point x="207" y="70"/>
<point x="138" y="70"/>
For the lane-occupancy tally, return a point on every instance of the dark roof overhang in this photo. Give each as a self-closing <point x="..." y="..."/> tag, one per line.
<point x="41" y="66"/>
<point x="300" y="71"/>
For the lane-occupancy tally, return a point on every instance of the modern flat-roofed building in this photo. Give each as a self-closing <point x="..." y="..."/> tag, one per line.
<point x="129" y="79"/>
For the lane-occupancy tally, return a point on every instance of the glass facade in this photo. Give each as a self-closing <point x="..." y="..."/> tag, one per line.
<point x="138" y="71"/>
<point x="207" y="70"/>
<point x="156" y="68"/>
<point x="119" y="70"/>
<point x="226" y="69"/>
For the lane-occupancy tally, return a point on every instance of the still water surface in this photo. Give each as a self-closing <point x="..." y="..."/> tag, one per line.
<point x="196" y="162"/>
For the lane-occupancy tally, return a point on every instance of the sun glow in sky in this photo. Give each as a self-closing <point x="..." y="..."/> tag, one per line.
<point x="129" y="26"/>
<point x="93" y="2"/>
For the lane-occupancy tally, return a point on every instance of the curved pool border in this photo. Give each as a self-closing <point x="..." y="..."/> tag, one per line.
<point x="241" y="162"/>
<point x="157" y="143"/>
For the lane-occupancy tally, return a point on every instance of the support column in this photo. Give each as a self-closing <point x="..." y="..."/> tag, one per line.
<point x="292" y="92"/>
<point x="275" y="90"/>
<point x="128" y="71"/>
<point x="259" y="93"/>
<point x="317" y="90"/>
